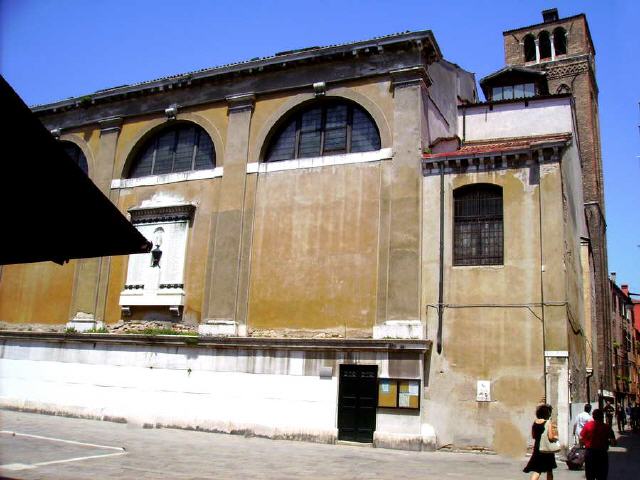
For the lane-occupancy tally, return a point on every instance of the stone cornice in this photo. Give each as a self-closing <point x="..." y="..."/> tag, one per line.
<point x="171" y="213"/>
<point x="461" y="162"/>
<point x="241" y="103"/>
<point x="258" y="343"/>
<point x="407" y="77"/>
<point x="423" y="41"/>
<point x="111" y="124"/>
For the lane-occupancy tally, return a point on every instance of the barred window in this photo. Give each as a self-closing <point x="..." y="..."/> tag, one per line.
<point x="73" y="151"/>
<point x="478" y="225"/>
<point x="179" y="148"/>
<point x="325" y="128"/>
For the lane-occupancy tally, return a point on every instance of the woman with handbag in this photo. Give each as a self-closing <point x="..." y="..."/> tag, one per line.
<point x="546" y="444"/>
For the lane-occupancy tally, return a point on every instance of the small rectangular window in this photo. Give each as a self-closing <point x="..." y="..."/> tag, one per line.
<point x="529" y="90"/>
<point x="507" y="92"/>
<point x="518" y="91"/>
<point x="497" y="93"/>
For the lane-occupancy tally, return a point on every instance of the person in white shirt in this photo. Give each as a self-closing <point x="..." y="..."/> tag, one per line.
<point x="581" y="420"/>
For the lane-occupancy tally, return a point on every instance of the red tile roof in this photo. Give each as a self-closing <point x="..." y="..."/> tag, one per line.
<point x="500" y="146"/>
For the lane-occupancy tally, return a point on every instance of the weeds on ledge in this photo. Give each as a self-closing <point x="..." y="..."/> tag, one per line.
<point x="164" y="331"/>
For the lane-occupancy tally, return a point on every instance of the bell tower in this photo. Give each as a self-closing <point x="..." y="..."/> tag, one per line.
<point x="563" y="50"/>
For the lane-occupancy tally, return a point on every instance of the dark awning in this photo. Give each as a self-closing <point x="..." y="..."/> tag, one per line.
<point x="50" y="209"/>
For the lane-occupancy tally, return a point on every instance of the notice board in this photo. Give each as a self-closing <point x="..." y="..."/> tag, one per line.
<point x="398" y="393"/>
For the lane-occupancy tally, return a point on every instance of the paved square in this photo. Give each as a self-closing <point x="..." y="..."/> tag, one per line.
<point x="49" y="447"/>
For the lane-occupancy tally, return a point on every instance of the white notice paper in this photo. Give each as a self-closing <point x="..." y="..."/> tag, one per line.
<point x="413" y="388"/>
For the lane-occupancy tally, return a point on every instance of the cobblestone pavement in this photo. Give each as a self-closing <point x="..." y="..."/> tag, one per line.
<point x="48" y="447"/>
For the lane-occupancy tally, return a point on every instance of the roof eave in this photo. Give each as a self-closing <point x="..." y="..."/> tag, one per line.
<point x="422" y="38"/>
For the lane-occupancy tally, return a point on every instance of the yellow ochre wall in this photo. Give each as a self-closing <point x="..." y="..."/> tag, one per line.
<point x="313" y="239"/>
<point x="36" y="292"/>
<point x="315" y="249"/>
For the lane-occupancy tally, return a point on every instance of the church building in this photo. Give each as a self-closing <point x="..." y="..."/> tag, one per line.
<point x="364" y="250"/>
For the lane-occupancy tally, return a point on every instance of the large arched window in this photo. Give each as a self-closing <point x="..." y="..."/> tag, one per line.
<point x="560" y="41"/>
<point x="329" y="127"/>
<point x="544" y="42"/>
<point x="529" y="48"/>
<point x="73" y="151"/>
<point x="478" y="225"/>
<point x="179" y="148"/>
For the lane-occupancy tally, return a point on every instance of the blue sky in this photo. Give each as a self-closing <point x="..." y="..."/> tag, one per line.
<point x="55" y="49"/>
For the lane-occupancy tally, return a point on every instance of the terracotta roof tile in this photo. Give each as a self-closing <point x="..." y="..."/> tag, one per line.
<point x="504" y="145"/>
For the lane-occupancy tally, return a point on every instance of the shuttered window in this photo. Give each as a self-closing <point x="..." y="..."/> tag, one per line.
<point x="326" y="128"/>
<point x="180" y="148"/>
<point x="478" y="225"/>
<point x="73" y="151"/>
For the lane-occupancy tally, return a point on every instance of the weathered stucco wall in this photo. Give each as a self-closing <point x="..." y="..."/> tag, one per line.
<point x="36" y="293"/>
<point x="495" y="342"/>
<point x="277" y="393"/>
<point x="315" y="249"/>
<point x="514" y="119"/>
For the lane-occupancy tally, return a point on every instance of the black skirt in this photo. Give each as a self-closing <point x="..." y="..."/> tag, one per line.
<point x="540" y="461"/>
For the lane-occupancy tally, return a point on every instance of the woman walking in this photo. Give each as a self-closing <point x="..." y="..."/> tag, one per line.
<point x="541" y="462"/>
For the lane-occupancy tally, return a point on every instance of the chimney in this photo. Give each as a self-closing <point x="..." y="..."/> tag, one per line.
<point x="625" y="289"/>
<point x="550" y="15"/>
<point x="612" y="277"/>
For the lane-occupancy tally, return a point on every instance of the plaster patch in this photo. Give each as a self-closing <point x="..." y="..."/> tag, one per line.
<point x="508" y="439"/>
<point x="162" y="199"/>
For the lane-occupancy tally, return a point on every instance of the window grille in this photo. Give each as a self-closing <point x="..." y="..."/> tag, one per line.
<point x="478" y="226"/>
<point x="73" y="151"/>
<point x="327" y="128"/>
<point x="180" y="148"/>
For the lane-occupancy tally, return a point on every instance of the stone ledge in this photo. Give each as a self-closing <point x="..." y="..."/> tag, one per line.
<point x="399" y="329"/>
<point x="320" y="344"/>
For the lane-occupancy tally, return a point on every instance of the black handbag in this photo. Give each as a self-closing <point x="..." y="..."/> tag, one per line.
<point x="575" y="457"/>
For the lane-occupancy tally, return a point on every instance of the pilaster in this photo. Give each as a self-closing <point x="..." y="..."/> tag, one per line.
<point x="404" y="207"/>
<point x="91" y="276"/>
<point x="221" y="311"/>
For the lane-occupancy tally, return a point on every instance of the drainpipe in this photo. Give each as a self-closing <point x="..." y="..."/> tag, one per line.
<point x="588" y="377"/>
<point x="544" y="339"/>
<point x="441" y="280"/>
<point x="464" y="124"/>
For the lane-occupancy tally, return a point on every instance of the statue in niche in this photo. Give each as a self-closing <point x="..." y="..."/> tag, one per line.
<point x="156" y="253"/>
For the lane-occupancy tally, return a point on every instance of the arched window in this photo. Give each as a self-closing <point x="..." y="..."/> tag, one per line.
<point x="179" y="148"/>
<point x="478" y="225"/>
<point x="529" y="48"/>
<point x="560" y="41"/>
<point x="544" y="42"/>
<point x="74" y="152"/>
<point x="324" y="128"/>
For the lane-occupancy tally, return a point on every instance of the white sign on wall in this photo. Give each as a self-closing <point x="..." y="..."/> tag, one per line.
<point x="483" y="393"/>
